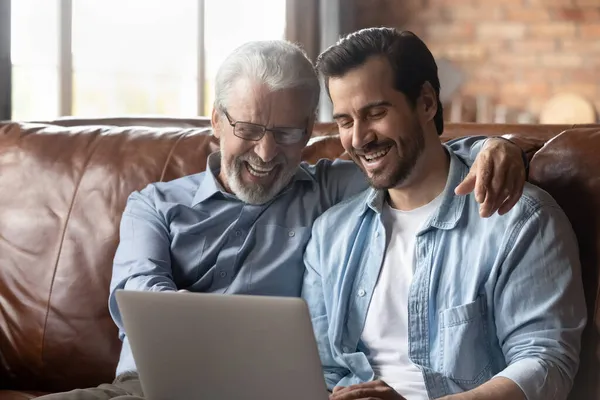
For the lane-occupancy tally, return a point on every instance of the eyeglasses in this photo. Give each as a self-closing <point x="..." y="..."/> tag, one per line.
<point x="255" y="132"/>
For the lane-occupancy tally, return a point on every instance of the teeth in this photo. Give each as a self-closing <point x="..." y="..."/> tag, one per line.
<point x="261" y="169"/>
<point x="373" y="156"/>
<point x="258" y="171"/>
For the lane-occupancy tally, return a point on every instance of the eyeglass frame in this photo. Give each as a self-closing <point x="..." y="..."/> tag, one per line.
<point x="274" y="130"/>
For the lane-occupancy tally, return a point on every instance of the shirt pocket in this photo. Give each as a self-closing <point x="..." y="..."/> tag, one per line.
<point x="465" y="348"/>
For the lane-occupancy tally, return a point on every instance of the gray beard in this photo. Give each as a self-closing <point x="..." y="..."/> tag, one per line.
<point x="255" y="194"/>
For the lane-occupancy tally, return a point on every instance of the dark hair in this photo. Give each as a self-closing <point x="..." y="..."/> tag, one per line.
<point x="410" y="59"/>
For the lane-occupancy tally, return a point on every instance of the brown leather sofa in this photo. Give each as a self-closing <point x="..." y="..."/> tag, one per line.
<point x="64" y="184"/>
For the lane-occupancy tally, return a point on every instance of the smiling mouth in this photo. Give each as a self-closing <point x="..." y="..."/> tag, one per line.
<point x="374" y="156"/>
<point x="259" y="172"/>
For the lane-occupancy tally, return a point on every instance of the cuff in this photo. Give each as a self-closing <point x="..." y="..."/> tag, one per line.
<point x="126" y="363"/>
<point x="532" y="377"/>
<point x="476" y="148"/>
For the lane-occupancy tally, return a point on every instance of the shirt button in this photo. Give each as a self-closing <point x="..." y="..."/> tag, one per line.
<point x="346" y="349"/>
<point x="377" y="234"/>
<point x="362" y="292"/>
<point x="292" y="233"/>
<point x="223" y="274"/>
<point x="238" y="233"/>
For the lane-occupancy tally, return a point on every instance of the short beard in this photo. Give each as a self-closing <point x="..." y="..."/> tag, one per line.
<point x="255" y="194"/>
<point x="411" y="149"/>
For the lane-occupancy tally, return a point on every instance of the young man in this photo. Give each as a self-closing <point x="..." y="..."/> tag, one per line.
<point x="241" y="226"/>
<point x="421" y="298"/>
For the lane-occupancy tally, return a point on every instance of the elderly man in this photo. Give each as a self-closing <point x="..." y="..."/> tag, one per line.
<point x="241" y="226"/>
<point x="421" y="298"/>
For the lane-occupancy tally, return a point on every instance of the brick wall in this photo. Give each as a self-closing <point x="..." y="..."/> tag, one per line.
<point x="518" y="52"/>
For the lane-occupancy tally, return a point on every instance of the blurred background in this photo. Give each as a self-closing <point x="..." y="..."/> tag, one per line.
<point x="519" y="61"/>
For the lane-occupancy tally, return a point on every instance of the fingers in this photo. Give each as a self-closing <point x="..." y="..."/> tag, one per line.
<point x="491" y="204"/>
<point x="505" y="193"/>
<point x="499" y="178"/>
<point x="356" y="394"/>
<point x="341" y="390"/>
<point x="484" y="172"/>
<point x="373" y="389"/>
<point x="369" y="384"/>
<point x="506" y="188"/>
<point x="509" y="203"/>
<point x="514" y="197"/>
<point x="467" y="185"/>
<point x="498" y="190"/>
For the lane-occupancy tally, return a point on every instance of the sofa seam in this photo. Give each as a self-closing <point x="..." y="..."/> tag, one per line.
<point x="170" y="155"/>
<point x="62" y="239"/>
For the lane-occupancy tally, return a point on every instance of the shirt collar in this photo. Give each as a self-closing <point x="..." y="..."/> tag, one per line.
<point x="210" y="185"/>
<point x="302" y="174"/>
<point x="451" y="208"/>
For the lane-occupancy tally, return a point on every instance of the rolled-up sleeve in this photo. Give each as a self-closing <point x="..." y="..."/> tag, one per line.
<point x="540" y="306"/>
<point x="142" y="260"/>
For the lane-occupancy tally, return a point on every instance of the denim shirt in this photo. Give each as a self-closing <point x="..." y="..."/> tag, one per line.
<point x="191" y="234"/>
<point x="491" y="297"/>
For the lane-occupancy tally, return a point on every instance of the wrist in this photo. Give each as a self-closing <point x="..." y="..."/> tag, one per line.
<point x="523" y="153"/>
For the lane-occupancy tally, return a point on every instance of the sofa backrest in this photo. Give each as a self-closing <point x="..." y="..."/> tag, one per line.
<point x="62" y="191"/>
<point x="568" y="167"/>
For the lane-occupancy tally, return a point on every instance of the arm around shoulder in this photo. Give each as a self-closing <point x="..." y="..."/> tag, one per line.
<point x="468" y="147"/>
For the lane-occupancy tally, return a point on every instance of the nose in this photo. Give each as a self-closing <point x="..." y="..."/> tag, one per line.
<point x="267" y="148"/>
<point x="362" y="135"/>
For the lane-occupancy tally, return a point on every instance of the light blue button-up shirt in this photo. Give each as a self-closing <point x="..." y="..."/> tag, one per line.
<point x="191" y="234"/>
<point x="491" y="297"/>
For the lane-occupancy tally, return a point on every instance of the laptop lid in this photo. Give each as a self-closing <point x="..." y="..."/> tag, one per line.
<point x="213" y="346"/>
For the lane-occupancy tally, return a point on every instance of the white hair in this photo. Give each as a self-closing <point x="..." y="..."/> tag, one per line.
<point x="278" y="64"/>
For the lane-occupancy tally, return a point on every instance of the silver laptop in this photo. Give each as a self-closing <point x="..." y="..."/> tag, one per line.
<point x="222" y="347"/>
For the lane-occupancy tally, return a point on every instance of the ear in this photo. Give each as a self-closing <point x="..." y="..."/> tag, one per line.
<point x="428" y="102"/>
<point x="215" y="121"/>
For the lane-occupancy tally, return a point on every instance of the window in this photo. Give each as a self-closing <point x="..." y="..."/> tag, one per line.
<point x="93" y="58"/>
<point x="253" y="19"/>
<point x="134" y="57"/>
<point x="34" y="56"/>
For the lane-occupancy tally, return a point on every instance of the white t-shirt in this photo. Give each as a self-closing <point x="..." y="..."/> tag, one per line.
<point x="386" y="327"/>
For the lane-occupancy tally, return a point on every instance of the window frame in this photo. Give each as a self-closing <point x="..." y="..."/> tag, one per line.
<point x="5" y="61"/>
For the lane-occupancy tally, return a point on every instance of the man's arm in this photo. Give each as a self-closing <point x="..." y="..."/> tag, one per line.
<point x="540" y="311"/>
<point x="142" y="260"/>
<point x="496" y="389"/>
<point x="497" y="174"/>
<point x="312" y="293"/>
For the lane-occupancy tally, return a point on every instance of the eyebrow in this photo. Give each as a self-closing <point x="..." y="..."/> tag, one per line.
<point x="365" y="108"/>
